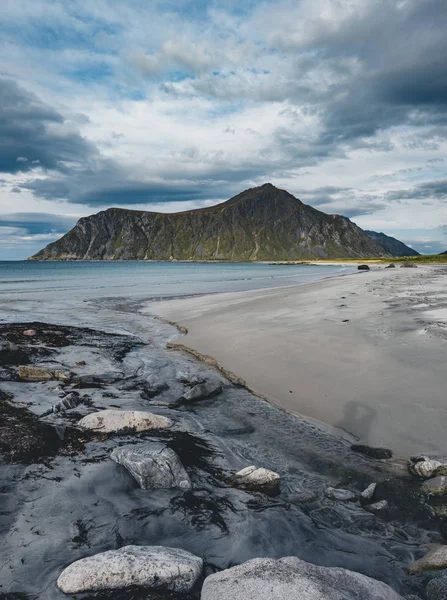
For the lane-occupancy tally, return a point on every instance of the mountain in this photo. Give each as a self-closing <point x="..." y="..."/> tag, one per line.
<point x="391" y="245"/>
<point x="263" y="223"/>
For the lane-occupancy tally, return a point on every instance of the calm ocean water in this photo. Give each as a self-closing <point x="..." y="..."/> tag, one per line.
<point x="148" y="280"/>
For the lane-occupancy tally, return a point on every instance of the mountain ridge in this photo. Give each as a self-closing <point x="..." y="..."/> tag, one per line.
<point x="261" y="223"/>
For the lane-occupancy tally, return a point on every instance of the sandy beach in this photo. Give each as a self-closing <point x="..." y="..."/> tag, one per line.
<point x="362" y="352"/>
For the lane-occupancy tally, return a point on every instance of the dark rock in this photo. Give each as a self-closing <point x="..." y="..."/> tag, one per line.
<point x="189" y="379"/>
<point x="363" y="268"/>
<point x="22" y="436"/>
<point x="201" y="392"/>
<point x="153" y="387"/>
<point x="71" y="400"/>
<point x="154" y="466"/>
<point x="437" y="486"/>
<point x="380" y="453"/>
<point x="437" y="589"/>
<point x="391" y="266"/>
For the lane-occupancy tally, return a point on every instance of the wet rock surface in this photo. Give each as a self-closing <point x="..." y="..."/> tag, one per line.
<point x="153" y="465"/>
<point x="255" y="478"/>
<point x="379" y="453"/>
<point x="437" y="588"/>
<point x="201" y="391"/>
<point x="75" y="502"/>
<point x="289" y="579"/>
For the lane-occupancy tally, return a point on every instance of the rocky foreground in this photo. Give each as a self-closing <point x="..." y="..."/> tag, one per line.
<point x="131" y="472"/>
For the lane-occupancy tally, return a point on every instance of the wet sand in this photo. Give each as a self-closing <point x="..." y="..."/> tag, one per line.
<point x="363" y="352"/>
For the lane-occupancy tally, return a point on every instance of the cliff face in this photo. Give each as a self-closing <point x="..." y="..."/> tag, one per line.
<point x="391" y="245"/>
<point x="263" y="223"/>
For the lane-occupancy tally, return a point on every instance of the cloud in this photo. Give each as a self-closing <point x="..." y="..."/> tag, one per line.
<point x="433" y="190"/>
<point x="33" y="134"/>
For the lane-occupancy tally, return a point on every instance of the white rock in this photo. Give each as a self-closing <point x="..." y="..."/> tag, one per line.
<point x="254" y="478"/>
<point x="377" y="507"/>
<point x="292" y="579"/>
<point x="146" y="566"/>
<point x="368" y="493"/>
<point x="425" y="468"/>
<point x="436" y="486"/>
<point x="339" y="494"/>
<point x="114" y="421"/>
<point x="153" y="465"/>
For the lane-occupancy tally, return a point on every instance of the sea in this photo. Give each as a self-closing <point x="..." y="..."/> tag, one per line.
<point x="151" y="280"/>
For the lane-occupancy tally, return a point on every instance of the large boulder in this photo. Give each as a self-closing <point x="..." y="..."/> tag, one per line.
<point x="434" y="559"/>
<point x="371" y="452"/>
<point x="201" y="391"/>
<point x="123" y="421"/>
<point x="363" y="268"/>
<point x="292" y="579"/>
<point x="152" y="567"/>
<point x="153" y="465"/>
<point x="257" y="479"/>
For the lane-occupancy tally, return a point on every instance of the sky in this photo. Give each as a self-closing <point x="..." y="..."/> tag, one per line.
<point x="177" y="104"/>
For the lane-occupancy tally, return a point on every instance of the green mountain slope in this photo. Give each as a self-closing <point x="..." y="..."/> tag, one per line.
<point x="263" y="223"/>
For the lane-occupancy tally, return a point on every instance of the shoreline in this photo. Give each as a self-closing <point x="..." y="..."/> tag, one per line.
<point x="384" y="404"/>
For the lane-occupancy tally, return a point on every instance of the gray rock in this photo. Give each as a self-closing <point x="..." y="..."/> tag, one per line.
<point x="434" y="559"/>
<point x="339" y="494"/>
<point x="292" y="579"/>
<point x="201" y="392"/>
<point x="153" y="465"/>
<point x="436" y="486"/>
<point x="372" y="452"/>
<point x="189" y="378"/>
<point x="153" y="386"/>
<point x="378" y="508"/>
<point x="409" y="265"/>
<point x="437" y="588"/>
<point x="363" y="268"/>
<point x="391" y="266"/>
<point x="116" y="421"/>
<point x="153" y="567"/>
<point x="254" y="478"/>
<point x="71" y="400"/>
<point x="368" y="493"/>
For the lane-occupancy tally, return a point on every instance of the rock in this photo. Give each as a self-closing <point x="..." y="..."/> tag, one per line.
<point x="440" y="510"/>
<point x="71" y="400"/>
<point x="29" y="332"/>
<point x="368" y="493"/>
<point x="379" y="453"/>
<point x="339" y="494"/>
<point x="153" y="387"/>
<point x="254" y="478"/>
<point x="153" y="567"/>
<point x="153" y="466"/>
<point x="378" y="508"/>
<point x="435" y="486"/>
<point x="409" y="265"/>
<point x="188" y="378"/>
<point x="391" y="266"/>
<point x="437" y="589"/>
<point x="434" y="559"/>
<point x="117" y="421"/>
<point x="363" y="268"/>
<point x="81" y="363"/>
<point x="292" y="579"/>
<point x="426" y="467"/>
<point x="201" y="392"/>
<point x="27" y="373"/>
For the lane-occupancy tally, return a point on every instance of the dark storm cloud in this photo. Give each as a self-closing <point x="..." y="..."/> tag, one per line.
<point x="342" y="200"/>
<point x="434" y="190"/>
<point x="34" y="134"/>
<point x="38" y="223"/>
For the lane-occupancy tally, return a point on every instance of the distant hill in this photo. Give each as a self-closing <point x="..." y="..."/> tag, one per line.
<point x="442" y="253"/>
<point x="262" y="223"/>
<point x="391" y="245"/>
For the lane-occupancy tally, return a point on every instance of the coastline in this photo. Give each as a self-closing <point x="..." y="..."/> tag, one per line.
<point x="345" y="351"/>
